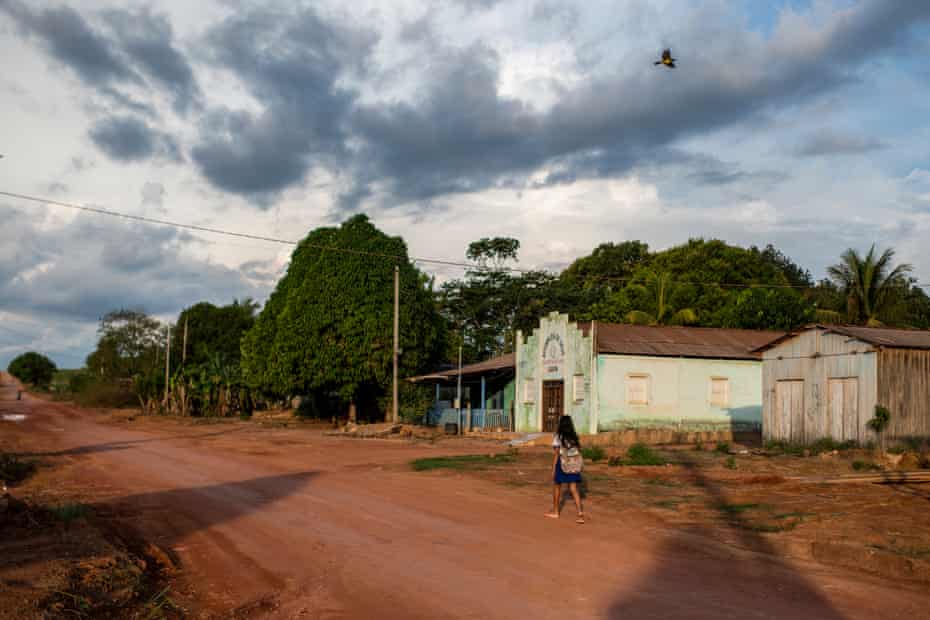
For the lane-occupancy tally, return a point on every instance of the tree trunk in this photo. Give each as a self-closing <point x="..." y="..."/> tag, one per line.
<point x="353" y="413"/>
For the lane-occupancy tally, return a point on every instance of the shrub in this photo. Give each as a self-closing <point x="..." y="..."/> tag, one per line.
<point x="79" y="382"/>
<point x="730" y="463"/>
<point x="828" y="444"/>
<point x="107" y="395"/>
<point x="594" y="453"/>
<point x="641" y="454"/>
<point x="881" y="419"/>
<point x="13" y="470"/>
<point x="723" y="447"/>
<point x="864" y="466"/>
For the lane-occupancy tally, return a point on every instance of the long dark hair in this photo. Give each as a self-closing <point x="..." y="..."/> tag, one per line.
<point x="566" y="432"/>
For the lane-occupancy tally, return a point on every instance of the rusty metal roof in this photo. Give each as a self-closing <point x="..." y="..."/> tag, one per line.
<point x="697" y="342"/>
<point x="876" y="336"/>
<point x="503" y="362"/>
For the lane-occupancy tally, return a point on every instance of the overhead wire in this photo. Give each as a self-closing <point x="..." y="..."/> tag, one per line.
<point x="394" y="257"/>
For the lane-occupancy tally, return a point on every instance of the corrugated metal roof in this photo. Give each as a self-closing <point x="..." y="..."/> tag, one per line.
<point x="503" y="362"/>
<point x="877" y="336"/>
<point x="885" y="337"/>
<point x="699" y="342"/>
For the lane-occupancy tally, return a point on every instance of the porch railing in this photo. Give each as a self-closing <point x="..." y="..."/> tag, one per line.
<point x="481" y="419"/>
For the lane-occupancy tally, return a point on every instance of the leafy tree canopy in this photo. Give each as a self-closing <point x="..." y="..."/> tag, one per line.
<point x="129" y="344"/>
<point x="328" y="325"/>
<point x="213" y="331"/>
<point x="33" y="368"/>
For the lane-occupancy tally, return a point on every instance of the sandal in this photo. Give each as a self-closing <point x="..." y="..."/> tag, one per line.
<point x="580" y="519"/>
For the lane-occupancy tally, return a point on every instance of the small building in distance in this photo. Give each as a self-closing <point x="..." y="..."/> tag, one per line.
<point x="826" y="381"/>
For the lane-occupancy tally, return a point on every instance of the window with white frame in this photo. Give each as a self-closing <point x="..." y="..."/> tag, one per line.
<point x="578" y="388"/>
<point x="529" y="391"/>
<point x="719" y="392"/>
<point x="637" y="389"/>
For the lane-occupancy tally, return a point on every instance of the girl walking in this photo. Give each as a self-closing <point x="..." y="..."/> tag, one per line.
<point x="566" y="467"/>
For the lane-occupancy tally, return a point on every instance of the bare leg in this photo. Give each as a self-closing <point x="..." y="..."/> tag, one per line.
<point x="573" y="487"/>
<point x="556" y="502"/>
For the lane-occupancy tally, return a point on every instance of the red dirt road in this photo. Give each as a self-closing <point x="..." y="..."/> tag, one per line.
<point x="289" y="524"/>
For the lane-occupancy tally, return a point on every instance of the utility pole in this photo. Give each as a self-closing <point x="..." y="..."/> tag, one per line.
<point x="458" y="391"/>
<point x="396" y="336"/>
<point x="184" y="350"/>
<point x="167" y="360"/>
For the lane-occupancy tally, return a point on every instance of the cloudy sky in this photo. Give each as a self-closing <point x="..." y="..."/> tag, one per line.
<point x="801" y="123"/>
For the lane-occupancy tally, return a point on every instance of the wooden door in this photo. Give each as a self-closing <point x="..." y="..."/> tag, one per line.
<point x="844" y="408"/>
<point x="553" y="405"/>
<point x="789" y="406"/>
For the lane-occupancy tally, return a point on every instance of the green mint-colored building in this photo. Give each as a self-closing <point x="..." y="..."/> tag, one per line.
<point x="612" y="377"/>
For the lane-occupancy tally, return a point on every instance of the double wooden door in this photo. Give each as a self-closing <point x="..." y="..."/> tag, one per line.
<point x="553" y="404"/>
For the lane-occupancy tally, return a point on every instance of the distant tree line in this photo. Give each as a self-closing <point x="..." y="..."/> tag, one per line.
<point x="325" y="333"/>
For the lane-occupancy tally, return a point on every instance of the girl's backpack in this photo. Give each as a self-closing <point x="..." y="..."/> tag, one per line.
<point x="571" y="460"/>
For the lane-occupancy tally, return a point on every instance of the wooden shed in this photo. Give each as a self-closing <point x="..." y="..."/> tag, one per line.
<point x="826" y="380"/>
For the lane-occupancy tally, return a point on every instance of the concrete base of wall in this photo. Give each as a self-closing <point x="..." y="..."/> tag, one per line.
<point x="656" y="436"/>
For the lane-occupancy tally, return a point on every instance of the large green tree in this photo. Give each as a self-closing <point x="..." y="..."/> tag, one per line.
<point x="327" y="329"/>
<point x="872" y="284"/>
<point x="129" y="344"/>
<point x="212" y="331"/>
<point x="33" y="368"/>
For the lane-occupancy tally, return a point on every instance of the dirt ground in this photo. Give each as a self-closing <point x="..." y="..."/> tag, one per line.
<point x="265" y="521"/>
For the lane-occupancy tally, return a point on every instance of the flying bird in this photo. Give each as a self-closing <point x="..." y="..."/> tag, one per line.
<point x="667" y="59"/>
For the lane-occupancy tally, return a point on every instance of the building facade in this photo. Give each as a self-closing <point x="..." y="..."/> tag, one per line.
<point x="826" y="381"/>
<point x="613" y="377"/>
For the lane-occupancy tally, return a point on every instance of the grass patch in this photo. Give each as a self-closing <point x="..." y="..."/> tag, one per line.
<point x="641" y="454"/>
<point x="736" y="509"/>
<point x="669" y="504"/>
<point x="771" y="528"/>
<point x="865" y="466"/>
<point x="70" y="512"/>
<point x="723" y="447"/>
<point x="467" y="462"/>
<point x="797" y="514"/>
<point x="594" y="454"/>
<point x="662" y="482"/>
<point x="730" y="463"/>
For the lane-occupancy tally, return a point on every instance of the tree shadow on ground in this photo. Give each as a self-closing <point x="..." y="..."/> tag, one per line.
<point x="119" y="445"/>
<point x="753" y="579"/>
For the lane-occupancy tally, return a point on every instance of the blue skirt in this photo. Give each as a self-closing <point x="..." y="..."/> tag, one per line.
<point x="561" y="477"/>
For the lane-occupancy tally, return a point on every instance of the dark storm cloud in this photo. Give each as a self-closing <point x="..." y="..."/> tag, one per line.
<point x="148" y="39"/>
<point x="463" y="135"/>
<point x="129" y="139"/>
<point x="828" y="142"/>
<point x="291" y="62"/>
<point x="71" y="41"/>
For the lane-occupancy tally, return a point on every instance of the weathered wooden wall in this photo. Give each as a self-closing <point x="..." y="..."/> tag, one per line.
<point x="904" y="388"/>
<point x="815" y="358"/>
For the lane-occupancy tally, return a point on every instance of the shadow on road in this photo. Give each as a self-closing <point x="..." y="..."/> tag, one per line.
<point x="121" y="445"/>
<point x="685" y="585"/>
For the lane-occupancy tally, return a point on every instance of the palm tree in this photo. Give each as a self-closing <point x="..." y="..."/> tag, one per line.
<point x="869" y="282"/>
<point x="662" y="285"/>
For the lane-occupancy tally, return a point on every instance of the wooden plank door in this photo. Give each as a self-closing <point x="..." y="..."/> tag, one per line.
<point x="851" y="428"/>
<point x="553" y="405"/>
<point x="789" y="405"/>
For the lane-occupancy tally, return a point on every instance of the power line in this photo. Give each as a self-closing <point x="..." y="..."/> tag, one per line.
<point x="394" y="257"/>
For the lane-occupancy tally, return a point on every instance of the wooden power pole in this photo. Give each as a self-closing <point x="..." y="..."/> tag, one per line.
<point x="396" y="413"/>
<point x="184" y="350"/>
<point x="167" y="361"/>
